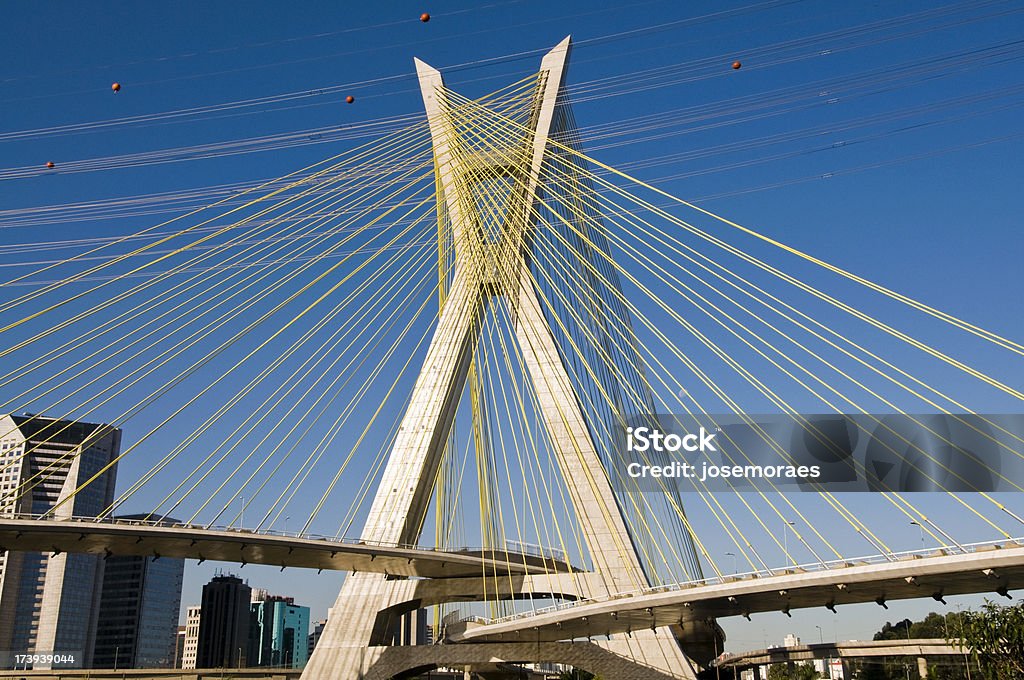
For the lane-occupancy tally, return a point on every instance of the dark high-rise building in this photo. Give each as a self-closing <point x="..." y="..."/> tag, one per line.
<point x="50" y="603"/>
<point x="139" y="605"/>
<point x="224" y="624"/>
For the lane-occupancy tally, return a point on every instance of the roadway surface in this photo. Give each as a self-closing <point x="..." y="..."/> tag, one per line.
<point x="982" y="569"/>
<point x="246" y="547"/>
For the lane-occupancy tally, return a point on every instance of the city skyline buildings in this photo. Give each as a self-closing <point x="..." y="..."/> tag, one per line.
<point x="239" y="626"/>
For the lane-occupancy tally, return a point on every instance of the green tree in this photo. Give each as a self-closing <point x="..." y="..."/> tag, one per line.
<point x="577" y="674"/>
<point x="803" y="671"/>
<point x="994" y="637"/>
<point x="934" y="627"/>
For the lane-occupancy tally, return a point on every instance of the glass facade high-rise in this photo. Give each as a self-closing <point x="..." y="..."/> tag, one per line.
<point x="280" y="630"/>
<point x="139" y="605"/>
<point x="50" y="603"/>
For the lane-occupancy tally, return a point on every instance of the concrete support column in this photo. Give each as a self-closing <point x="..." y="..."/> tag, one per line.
<point x="922" y="667"/>
<point x="354" y="641"/>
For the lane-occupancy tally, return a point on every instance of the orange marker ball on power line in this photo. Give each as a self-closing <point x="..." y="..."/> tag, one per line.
<point x="116" y="87"/>
<point x="736" y="65"/>
<point x="424" y="17"/>
<point x="49" y="164"/>
<point x="349" y="99"/>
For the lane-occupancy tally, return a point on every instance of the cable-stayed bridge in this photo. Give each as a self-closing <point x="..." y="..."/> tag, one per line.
<point x="446" y="337"/>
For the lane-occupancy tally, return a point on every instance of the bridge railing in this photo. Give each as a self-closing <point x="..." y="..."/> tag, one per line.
<point x="866" y="560"/>
<point x="535" y="550"/>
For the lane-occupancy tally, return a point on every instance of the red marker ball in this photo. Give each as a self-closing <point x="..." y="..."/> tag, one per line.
<point x="736" y="65"/>
<point x="116" y="87"/>
<point x="349" y="99"/>
<point x="49" y="164"/>
<point x="424" y="17"/>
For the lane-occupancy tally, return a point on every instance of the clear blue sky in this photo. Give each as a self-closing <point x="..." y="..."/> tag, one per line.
<point x="924" y="200"/>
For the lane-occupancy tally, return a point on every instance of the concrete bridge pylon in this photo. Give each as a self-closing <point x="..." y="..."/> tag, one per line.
<point x="354" y="643"/>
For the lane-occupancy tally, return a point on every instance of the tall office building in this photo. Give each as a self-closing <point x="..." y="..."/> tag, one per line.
<point x="224" y="624"/>
<point x="190" y="644"/>
<point x="280" y="631"/>
<point x="139" y="606"/>
<point x="314" y="635"/>
<point x="51" y="603"/>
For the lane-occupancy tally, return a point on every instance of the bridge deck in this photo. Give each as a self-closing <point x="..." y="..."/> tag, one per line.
<point x="851" y="649"/>
<point x="984" y="570"/>
<point x="240" y="546"/>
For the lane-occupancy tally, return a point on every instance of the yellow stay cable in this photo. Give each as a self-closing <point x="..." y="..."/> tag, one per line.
<point x="238" y="395"/>
<point x="624" y="554"/>
<point x="216" y="324"/>
<point x="780" y="546"/>
<point x="381" y="294"/>
<point x="278" y="332"/>
<point x="156" y="260"/>
<point x="638" y="255"/>
<point x="665" y="537"/>
<point x="145" y="306"/>
<point x="114" y="327"/>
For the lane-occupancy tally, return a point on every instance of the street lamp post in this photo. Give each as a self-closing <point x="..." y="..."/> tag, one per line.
<point x="828" y="661"/>
<point x="785" y="539"/>
<point x="967" y="663"/>
<point x="718" y="669"/>
<point x="921" y="527"/>
<point x="733" y="556"/>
